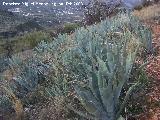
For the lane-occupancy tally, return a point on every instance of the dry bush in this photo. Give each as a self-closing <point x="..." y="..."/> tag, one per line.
<point x="16" y="104"/>
<point x="98" y="10"/>
<point x="51" y="109"/>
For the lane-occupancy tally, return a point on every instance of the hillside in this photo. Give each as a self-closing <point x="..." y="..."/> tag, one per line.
<point x="103" y="71"/>
<point x="9" y="20"/>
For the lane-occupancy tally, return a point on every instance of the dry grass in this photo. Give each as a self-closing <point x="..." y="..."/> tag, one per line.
<point x="148" y="12"/>
<point x="53" y="109"/>
<point x="17" y="104"/>
<point x="151" y="95"/>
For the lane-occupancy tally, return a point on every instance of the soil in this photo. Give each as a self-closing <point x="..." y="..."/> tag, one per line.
<point x="147" y="100"/>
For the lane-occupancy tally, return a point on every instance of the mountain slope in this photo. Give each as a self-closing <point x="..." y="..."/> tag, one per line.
<point x="8" y="20"/>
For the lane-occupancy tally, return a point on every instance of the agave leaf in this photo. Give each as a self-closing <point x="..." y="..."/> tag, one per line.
<point x="121" y="118"/>
<point x="81" y="113"/>
<point x="106" y="91"/>
<point x="93" y="83"/>
<point x="124" y="75"/>
<point x="129" y="92"/>
<point x="103" y="68"/>
<point x="87" y="98"/>
<point x="129" y="61"/>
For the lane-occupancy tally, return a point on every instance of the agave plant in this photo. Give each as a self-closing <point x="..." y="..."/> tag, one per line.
<point x="101" y="63"/>
<point x="97" y="60"/>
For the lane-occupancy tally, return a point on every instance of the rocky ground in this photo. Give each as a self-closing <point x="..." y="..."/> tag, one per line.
<point x="149" y="97"/>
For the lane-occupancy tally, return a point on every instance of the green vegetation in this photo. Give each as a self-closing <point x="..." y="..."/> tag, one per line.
<point x="32" y="39"/>
<point x="28" y="26"/>
<point x="27" y="41"/>
<point x="95" y="63"/>
<point x="70" y="27"/>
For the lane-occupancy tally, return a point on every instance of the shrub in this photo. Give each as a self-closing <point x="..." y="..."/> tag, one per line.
<point x="28" y="26"/>
<point x="20" y="43"/>
<point x="70" y="27"/>
<point x="32" y="39"/>
<point x="9" y="100"/>
<point x="96" y="11"/>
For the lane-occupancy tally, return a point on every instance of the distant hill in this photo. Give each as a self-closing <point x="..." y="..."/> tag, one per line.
<point x="9" y="20"/>
<point x="12" y="24"/>
<point x="28" y="26"/>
